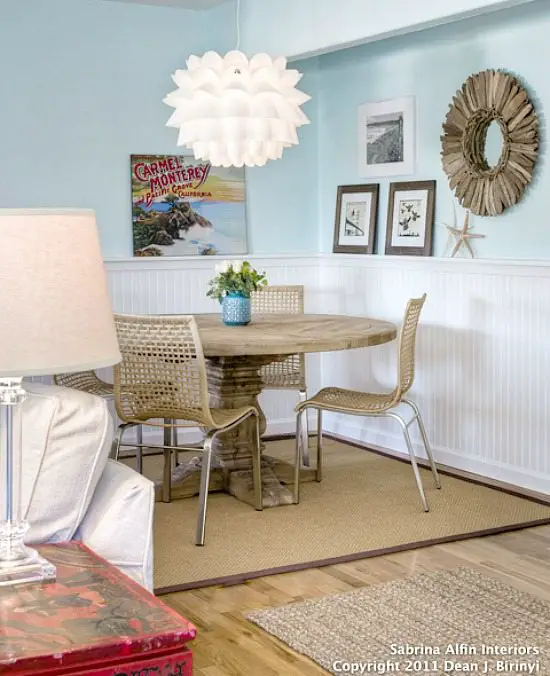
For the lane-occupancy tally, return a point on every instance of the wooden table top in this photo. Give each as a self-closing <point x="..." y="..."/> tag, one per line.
<point x="290" y="334"/>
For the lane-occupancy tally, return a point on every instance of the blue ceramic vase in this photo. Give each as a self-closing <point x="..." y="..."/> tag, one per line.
<point x="236" y="309"/>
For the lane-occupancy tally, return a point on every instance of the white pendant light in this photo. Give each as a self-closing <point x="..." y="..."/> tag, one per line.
<point x="232" y="111"/>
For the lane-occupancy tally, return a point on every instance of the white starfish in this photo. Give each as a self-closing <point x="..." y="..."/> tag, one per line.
<point x="462" y="235"/>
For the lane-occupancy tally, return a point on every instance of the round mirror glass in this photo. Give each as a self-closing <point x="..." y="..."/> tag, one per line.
<point x="493" y="144"/>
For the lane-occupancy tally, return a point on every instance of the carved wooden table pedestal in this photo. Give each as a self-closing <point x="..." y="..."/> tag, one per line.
<point x="235" y="382"/>
<point x="234" y="356"/>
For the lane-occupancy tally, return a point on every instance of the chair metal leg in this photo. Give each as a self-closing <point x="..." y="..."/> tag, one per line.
<point x="304" y="433"/>
<point x="412" y="456"/>
<point x="256" y="467"/>
<point x="298" y="458"/>
<point x="425" y="440"/>
<point x="115" y="446"/>
<point x="319" y="470"/>
<point x="139" y="449"/>
<point x="203" y="493"/>
<point x="175" y="454"/>
<point x="167" y="470"/>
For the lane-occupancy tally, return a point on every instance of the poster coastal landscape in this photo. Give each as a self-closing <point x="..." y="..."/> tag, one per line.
<point x="185" y="207"/>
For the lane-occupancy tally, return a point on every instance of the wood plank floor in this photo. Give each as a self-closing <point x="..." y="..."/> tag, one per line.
<point x="228" y="645"/>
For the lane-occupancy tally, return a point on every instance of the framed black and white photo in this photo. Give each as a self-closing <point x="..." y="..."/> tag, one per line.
<point x="386" y="137"/>
<point x="410" y="218"/>
<point x="355" y="223"/>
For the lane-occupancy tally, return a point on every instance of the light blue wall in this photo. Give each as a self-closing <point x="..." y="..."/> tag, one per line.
<point x="282" y="196"/>
<point x="82" y="83"/>
<point x="219" y="27"/>
<point x="431" y="65"/>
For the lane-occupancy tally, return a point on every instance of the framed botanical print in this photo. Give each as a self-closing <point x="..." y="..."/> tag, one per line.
<point x="355" y="223"/>
<point x="410" y="218"/>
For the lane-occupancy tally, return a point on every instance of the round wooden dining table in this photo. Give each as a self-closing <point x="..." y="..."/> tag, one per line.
<point x="234" y="356"/>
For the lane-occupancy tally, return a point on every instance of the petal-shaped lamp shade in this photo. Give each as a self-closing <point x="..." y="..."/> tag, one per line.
<point x="231" y="111"/>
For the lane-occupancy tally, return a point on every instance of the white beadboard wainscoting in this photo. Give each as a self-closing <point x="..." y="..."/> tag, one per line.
<point x="483" y="358"/>
<point x="179" y="285"/>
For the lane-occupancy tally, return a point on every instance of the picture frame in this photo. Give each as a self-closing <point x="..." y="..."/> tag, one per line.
<point x="411" y="208"/>
<point x="182" y="206"/>
<point x="355" y="221"/>
<point x="386" y="132"/>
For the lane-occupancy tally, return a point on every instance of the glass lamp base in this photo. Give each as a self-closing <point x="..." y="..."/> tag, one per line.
<point x="18" y="572"/>
<point x="28" y="567"/>
<point x="20" y="564"/>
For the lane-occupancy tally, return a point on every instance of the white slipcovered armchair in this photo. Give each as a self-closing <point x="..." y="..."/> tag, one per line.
<point x="70" y="488"/>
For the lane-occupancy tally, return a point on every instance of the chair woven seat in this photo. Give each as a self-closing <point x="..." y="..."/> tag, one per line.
<point x="221" y="417"/>
<point x="85" y="381"/>
<point x="228" y="416"/>
<point x="336" y="398"/>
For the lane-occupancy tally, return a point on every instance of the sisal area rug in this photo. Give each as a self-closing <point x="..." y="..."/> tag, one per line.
<point x="366" y="505"/>
<point x="447" y="622"/>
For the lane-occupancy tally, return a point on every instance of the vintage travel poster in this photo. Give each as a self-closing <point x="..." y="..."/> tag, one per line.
<point x="182" y="207"/>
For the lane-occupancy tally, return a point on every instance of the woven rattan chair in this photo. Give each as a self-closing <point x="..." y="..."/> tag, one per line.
<point x="162" y="375"/>
<point x="89" y="381"/>
<point x="289" y="374"/>
<point x="340" y="400"/>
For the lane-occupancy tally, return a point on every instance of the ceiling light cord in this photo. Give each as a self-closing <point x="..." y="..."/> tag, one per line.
<point x="238" y="24"/>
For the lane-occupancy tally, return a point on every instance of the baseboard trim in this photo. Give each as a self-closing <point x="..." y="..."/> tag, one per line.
<point x="471" y="477"/>
<point x="462" y="460"/>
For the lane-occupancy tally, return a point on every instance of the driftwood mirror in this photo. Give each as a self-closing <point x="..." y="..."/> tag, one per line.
<point x="490" y="142"/>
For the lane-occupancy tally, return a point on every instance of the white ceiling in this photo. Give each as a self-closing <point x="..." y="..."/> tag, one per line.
<point x="184" y="4"/>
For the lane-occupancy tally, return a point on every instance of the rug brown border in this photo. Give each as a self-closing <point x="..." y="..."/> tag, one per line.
<point x="240" y="578"/>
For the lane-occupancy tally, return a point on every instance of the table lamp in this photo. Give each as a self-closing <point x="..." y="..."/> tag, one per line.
<point x="56" y="317"/>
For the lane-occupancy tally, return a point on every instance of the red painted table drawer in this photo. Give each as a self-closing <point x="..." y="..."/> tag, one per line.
<point x="178" y="664"/>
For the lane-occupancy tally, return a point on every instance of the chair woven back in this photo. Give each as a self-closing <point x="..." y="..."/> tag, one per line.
<point x="85" y="381"/>
<point x="290" y="373"/>
<point x="287" y="300"/>
<point x="162" y="373"/>
<point x="407" y="344"/>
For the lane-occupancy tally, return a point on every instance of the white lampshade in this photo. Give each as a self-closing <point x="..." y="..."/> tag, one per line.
<point x="54" y="306"/>
<point x="231" y="111"/>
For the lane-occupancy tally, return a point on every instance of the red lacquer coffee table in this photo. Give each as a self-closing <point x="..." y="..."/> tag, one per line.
<point x="94" y="621"/>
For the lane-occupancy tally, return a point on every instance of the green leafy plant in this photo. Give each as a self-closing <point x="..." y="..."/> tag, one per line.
<point x="235" y="277"/>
